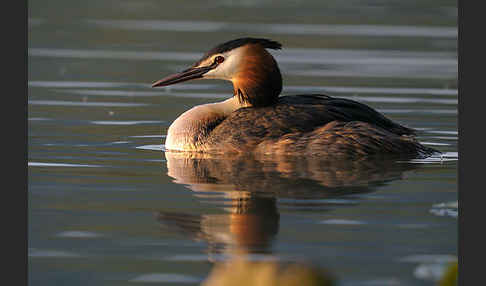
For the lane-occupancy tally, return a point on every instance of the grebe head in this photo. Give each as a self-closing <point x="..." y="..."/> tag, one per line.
<point x="246" y="63"/>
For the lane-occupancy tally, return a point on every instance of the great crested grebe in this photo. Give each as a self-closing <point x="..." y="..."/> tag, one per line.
<point x="257" y="119"/>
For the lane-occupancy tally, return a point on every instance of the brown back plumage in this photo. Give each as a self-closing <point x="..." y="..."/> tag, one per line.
<point x="314" y="125"/>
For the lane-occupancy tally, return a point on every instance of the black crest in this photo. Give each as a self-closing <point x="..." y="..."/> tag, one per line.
<point x="233" y="44"/>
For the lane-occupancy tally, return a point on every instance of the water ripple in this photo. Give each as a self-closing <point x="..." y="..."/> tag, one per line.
<point x="82" y="103"/>
<point x="106" y="122"/>
<point x="51" y="253"/>
<point x="289" y="88"/>
<point x="288" y="56"/>
<point x="165" y="278"/>
<point x="344" y="63"/>
<point x="286" y="29"/>
<point x="41" y="164"/>
<point x="342" y="222"/>
<point x="159" y="147"/>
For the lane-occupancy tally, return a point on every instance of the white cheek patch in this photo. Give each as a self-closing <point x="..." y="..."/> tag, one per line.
<point x="211" y="74"/>
<point x="226" y="69"/>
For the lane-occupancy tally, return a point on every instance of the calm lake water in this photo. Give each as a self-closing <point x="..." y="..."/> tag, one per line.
<point x="107" y="205"/>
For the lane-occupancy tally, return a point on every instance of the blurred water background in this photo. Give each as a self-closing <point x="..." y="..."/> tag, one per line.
<point x="108" y="207"/>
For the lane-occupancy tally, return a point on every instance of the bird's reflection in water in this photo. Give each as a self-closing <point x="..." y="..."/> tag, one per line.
<point x="249" y="227"/>
<point x="247" y="188"/>
<point x="240" y="272"/>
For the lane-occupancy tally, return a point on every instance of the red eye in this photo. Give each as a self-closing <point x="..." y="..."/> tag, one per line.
<point x="219" y="59"/>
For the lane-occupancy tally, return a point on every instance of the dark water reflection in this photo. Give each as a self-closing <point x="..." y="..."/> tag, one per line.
<point x="248" y="187"/>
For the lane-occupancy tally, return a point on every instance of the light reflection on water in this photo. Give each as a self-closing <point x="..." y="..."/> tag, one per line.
<point x="305" y="62"/>
<point x="281" y="28"/>
<point x="108" y="205"/>
<point x="81" y="103"/>
<point x="192" y="86"/>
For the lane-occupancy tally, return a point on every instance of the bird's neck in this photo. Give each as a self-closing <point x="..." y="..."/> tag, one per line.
<point x="258" y="81"/>
<point x="189" y="131"/>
